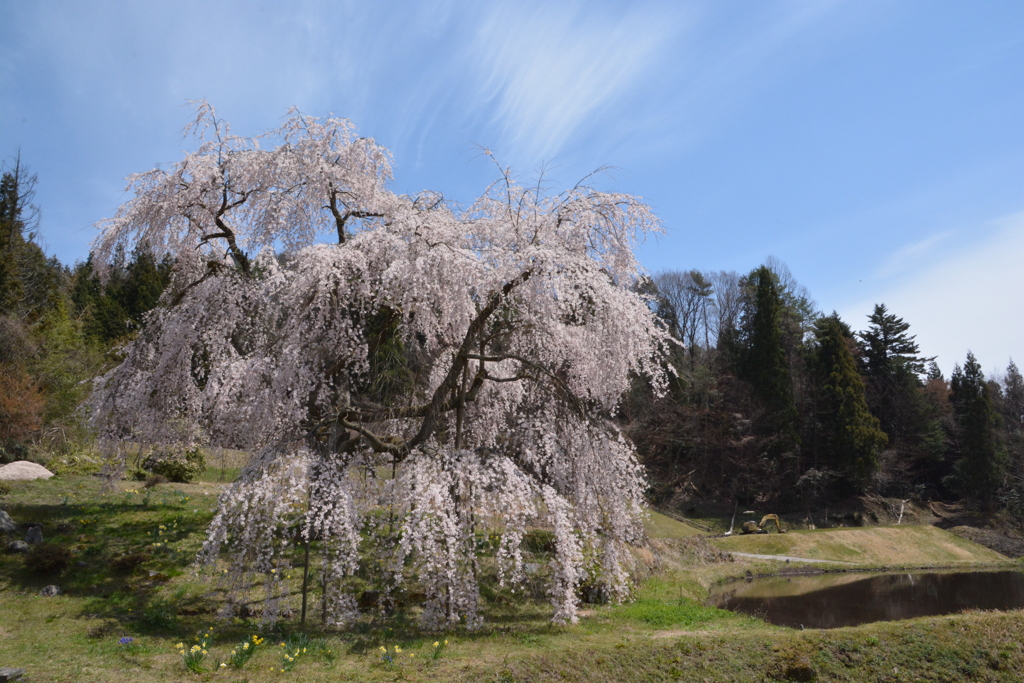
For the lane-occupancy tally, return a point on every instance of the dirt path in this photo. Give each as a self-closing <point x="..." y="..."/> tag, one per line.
<point x="787" y="558"/>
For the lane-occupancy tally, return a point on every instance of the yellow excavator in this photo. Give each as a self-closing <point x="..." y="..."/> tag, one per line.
<point x="752" y="527"/>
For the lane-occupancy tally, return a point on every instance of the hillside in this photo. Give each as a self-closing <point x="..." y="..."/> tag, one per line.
<point x="888" y="545"/>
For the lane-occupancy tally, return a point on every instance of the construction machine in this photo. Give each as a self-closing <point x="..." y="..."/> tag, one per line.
<point x="752" y="527"/>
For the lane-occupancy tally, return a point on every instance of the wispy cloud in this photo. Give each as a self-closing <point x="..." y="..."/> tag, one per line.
<point x="911" y="256"/>
<point x="968" y="299"/>
<point x="546" y="72"/>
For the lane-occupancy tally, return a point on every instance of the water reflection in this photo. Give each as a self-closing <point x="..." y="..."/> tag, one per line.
<point x="834" y="600"/>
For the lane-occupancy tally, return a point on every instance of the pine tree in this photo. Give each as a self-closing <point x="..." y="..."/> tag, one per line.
<point x="850" y="436"/>
<point x="892" y="362"/>
<point x="979" y="471"/>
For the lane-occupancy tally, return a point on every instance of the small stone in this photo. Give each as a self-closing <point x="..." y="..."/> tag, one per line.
<point x="18" y="547"/>
<point x="9" y="674"/>
<point x="50" y="591"/>
<point x="34" y="535"/>
<point x="7" y="525"/>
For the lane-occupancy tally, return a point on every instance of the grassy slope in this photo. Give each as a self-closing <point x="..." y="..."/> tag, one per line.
<point x="869" y="545"/>
<point x="661" y="636"/>
<point x="658" y="525"/>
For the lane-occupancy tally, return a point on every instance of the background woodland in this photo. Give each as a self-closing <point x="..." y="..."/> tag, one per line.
<point x="773" y="402"/>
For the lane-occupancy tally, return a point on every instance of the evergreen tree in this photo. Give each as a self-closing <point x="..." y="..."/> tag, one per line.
<point x="30" y="282"/>
<point x="1011" y="409"/>
<point x="114" y="309"/>
<point x="849" y="435"/>
<point x="11" y="242"/>
<point x="978" y="472"/>
<point x="892" y="362"/>
<point x="1013" y="398"/>
<point x="765" y="362"/>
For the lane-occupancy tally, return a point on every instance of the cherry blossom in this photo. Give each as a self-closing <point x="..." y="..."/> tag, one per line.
<point x="405" y="371"/>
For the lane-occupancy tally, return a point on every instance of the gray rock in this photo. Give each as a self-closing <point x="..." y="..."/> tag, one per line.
<point x="9" y="674"/>
<point x="18" y="547"/>
<point x="34" y="535"/>
<point x="7" y="525"/>
<point x="50" y="591"/>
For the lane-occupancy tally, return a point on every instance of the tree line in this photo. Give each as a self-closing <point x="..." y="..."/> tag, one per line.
<point x="59" y="326"/>
<point x="771" y="400"/>
<point x="776" y="402"/>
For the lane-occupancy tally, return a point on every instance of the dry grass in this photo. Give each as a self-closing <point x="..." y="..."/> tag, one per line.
<point x="658" y="525"/>
<point x="893" y="545"/>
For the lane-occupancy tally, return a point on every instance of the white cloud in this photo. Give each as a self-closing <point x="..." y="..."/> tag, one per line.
<point x="971" y="299"/>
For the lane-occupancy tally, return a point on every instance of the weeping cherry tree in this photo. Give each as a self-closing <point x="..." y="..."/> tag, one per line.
<point x="398" y="366"/>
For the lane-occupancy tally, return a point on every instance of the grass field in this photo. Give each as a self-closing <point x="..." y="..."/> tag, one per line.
<point x="130" y="576"/>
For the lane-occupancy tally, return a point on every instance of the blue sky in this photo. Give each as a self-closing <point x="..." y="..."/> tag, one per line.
<point x="875" y="147"/>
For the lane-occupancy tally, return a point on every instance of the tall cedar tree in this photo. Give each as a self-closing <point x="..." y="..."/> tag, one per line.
<point x="850" y="436"/>
<point x="30" y="283"/>
<point x="11" y="242"/>
<point x="892" y="364"/>
<point x="979" y="471"/>
<point x="765" y="364"/>
<point x="1011" y="408"/>
<point x="1013" y="398"/>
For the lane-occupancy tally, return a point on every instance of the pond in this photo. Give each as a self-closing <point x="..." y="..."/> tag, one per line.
<point x="834" y="600"/>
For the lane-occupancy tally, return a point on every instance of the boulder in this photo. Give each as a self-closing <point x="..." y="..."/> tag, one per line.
<point x="7" y="525"/>
<point x="8" y="673"/>
<point x="34" y="535"/>
<point x="23" y="470"/>
<point x="50" y="591"/>
<point x="18" y="547"/>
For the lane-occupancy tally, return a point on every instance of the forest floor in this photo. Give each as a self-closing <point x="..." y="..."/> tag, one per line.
<point x="131" y="594"/>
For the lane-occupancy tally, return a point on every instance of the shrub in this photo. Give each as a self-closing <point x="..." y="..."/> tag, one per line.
<point x="180" y="463"/>
<point x="74" y="463"/>
<point x="12" y="450"/>
<point x="47" y="558"/>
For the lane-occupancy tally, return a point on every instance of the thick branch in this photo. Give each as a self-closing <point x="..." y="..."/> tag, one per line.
<point x="476" y="327"/>
<point x="341" y="218"/>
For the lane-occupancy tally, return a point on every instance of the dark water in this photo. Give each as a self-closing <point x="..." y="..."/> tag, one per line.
<point x="835" y="600"/>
